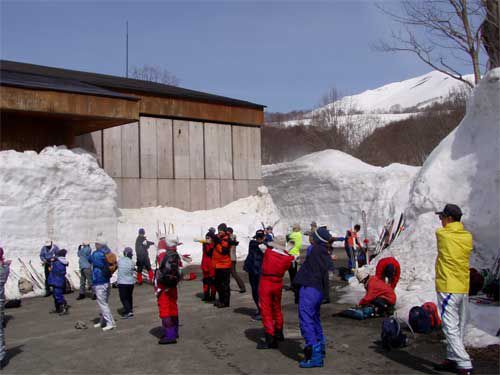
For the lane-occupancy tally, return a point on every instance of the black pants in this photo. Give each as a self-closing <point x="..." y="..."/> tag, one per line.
<point x="126" y="297"/>
<point x="254" y="284"/>
<point x="292" y="272"/>
<point x="46" y="271"/>
<point x="222" y="280"/>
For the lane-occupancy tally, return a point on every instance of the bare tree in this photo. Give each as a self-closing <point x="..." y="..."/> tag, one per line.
<point x="431" y="27"/>
<point x="490" y="32"/>
<point x="155" y="73"/>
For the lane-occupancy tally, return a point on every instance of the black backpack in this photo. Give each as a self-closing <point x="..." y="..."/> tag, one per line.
<point x="391" y="335"/>
<point x="168" y="273"/>
<point x="420" y="320"/>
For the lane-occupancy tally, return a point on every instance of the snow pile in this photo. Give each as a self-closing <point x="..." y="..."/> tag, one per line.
<point x="57" y="194"/>
<point x="332" y="187"/>
<point x="463" y="169"/>
<point x="244" y="216"/>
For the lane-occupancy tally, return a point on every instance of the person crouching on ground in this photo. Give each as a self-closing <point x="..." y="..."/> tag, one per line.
<point x="234" y="272"/>
<point x="101" y="275"/>
<point x="379" y="294"/>
<point x="207" y="267"/>
<point x="253" y="266"/>
<point x="166" y="280"/>
<point x="389" y="270"/>
<point x="57" y="280"/>
<point x="84" y="252"/>
<point x="274" y="265"/>
<point x="454" y="245"/>
<point x="222" y="263"/>
<point x="310" y="280"/>
<point x="125" y="281"/>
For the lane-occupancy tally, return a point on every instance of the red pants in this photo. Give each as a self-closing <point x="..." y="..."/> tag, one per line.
<point x="209" y="282"/>
<point x="270" y="303"/>
<point x="167" y="303"/>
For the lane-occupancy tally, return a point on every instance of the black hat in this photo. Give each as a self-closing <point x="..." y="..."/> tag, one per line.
<point x="451" y="210"/>
<point x="260" y="234"/>
<point x="61" y="253"/>
<point x="222" y="227"/>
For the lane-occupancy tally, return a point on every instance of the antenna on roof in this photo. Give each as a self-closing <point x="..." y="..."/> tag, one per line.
<point x="126" y="52"/>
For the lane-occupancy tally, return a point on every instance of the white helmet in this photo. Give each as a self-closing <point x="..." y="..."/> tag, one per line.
<point x="362" y="273"/>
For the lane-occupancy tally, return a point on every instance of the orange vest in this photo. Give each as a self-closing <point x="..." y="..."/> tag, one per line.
<point x="353" y="237"/>
<point x="221" y="257"/>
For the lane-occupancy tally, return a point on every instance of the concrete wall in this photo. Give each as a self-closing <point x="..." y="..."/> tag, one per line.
<point x="177" y="163"/>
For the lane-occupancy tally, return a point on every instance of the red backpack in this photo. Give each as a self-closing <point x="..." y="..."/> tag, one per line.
<point x="431" y="309"/>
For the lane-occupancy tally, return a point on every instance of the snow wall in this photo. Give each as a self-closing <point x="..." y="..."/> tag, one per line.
<point x="332" y="188"/>
<point x="463" y="169"/>
<point x="57" y="194"/>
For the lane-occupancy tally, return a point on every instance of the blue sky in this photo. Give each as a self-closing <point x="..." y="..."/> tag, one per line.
<point x="281" y="54"/>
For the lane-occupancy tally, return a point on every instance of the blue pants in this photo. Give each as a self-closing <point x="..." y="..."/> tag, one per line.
<point x="309" y="315"/>
<point x="58" y="295"/>
<point x="351" y="257"/>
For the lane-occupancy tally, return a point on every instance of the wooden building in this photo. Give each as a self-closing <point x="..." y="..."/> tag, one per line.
<point x="163" y="145"/>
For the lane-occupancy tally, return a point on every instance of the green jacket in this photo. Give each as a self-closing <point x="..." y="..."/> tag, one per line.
<point x="296" y="237"/>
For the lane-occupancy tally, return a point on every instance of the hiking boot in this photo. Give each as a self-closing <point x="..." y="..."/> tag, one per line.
<point x="64" y="309"/>
<point x="166" y="341"/>
<point x="446" y="365"/>
<point x="268" y="343"/>
<point x="108" y="328"/>
<point x="80" y="297"/>
<point x="279" y="335"/>
<point x="465" y="371"/>
<point x="313" y="357"/>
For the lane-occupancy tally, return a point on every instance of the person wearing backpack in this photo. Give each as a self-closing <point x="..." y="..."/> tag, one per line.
<point x="274" y="265"/>
<point x="378" y="294"/>
<point x="166" y="280"/>
<point x="84" y="252"/>
<point x="222" y="263"/>
<point x="253" y="266"/>
<point x="310" y="281"/>
<point x="454" y="247"/>
<point x="101" y="276"/>
<point x="125" y="282"/>
<point x="141" y="252"/>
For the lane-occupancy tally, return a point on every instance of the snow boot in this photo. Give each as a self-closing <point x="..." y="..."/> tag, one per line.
<point x="80" y="297"/>
<point x="169" y="331"/>
<point x="313" y="357"/>
<point x="278" y="333"/>
<point x="64" y="309"/>
<point x="139" y="278"/>
<point x="446" y="365"/>
<point x="57" y="309"/>
<point x="268" y="343"/>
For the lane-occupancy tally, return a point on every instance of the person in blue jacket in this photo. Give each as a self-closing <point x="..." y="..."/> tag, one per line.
<point x="253" y="266"/>
<point x="47" y="254"/>
<point x="57" y="280"/>
<point x="101" y="276"/>
<point x="310" y="280"/>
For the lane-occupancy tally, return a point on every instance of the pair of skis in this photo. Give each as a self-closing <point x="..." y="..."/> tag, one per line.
<point x="390" y="233"/>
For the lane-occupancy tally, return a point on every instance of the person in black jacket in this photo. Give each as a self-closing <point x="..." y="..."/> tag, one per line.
<point x="253" y="266"/>
<point x="141" y="252"/>
<point x="310" y="280"/>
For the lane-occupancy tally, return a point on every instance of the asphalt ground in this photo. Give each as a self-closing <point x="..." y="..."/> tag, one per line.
<point x="212" y="341"/>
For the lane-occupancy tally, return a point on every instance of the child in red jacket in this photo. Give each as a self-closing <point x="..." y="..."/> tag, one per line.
<point x="207" y="267"/>
<point x="388" y="270"/>
<point x="274" y="265"/>
<point x="378" y="294"/>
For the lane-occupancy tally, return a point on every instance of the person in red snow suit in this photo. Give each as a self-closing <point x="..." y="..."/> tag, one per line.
<point x="389" y="270"/>
<point x="378" y="294"/>
<point x="167" y="295"/>
<point x="274" y="265"/>
<point x="208" y="268"/>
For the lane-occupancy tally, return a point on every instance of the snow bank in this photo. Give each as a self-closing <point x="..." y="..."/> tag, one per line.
<point x="332" y="187"/>
<point x="58" y="194"/>
<point x="244" y="216"/>
<point x="463" y="169"/>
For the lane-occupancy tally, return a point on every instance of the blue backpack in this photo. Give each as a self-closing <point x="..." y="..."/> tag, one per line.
<point x="391" y="335"/>
<point x="420" y="320"/>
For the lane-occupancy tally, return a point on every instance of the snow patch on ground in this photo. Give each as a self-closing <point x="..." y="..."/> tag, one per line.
<point x="57" y="194"/>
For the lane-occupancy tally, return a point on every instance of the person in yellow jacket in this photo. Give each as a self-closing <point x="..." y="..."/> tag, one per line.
<point x="454" y="245"/>
<point x="295" y="238"/>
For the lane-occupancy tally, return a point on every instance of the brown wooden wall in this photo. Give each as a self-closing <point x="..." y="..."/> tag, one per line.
<point x="185" y="164"/>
